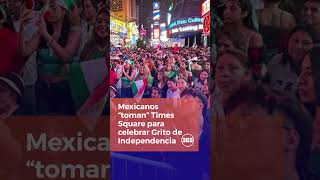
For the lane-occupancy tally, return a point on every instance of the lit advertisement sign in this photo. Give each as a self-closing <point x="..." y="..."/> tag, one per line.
<point x="186" y="21"/>
<point x="156" y="5"/>
<point x="205" y="7"/>
<point x="156" y="33"/>
<point x="191" y="28"/>
<point x="163" y="25"/>
<point x="206" y="23"/>
<point x="156" y="15"/>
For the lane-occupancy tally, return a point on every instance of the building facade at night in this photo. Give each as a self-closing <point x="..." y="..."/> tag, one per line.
<point x="123" y="22"/>
<point x="187" y="21"/>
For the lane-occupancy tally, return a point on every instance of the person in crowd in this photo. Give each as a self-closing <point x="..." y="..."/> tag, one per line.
<point x="248" y="129"/>
<point x="11" y="55"/>
<point x="144" y="74"/>
<point x="151" y="66"/>
<point x="172" y="91"/>
<point x="308" y="93"/>
<point x="273" y="24"/>
<point x="184" y="69"/>
<point x="88" y="21"/>
<point x="24" y="20"/>
<point x="311" y="14"/>
<point x="182" y="84"/>
<point x="308" y="81"/>
<point x="169" y="72"/>
<point x="207" y="66"/>
<point x="11" y="91"/>
<point x="127" y="75"/>
<point x="231" y="73"/>
<point x="156" y="92"/>
<point x="199" y="159"/>
<point x="161" y="82"/>
<point x="283" y="69"/>
<point x="199" y="82"/>
<point x="195" y="67"/>
<point x="96" y="47"/>
<point x="239" y="23"/>
<point x="56" y="45"/>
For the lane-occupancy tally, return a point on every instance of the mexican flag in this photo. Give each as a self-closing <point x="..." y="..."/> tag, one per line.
<point x="139" y="86"/>
<point x="84" y="78"/>
<point x="93" y="107"/>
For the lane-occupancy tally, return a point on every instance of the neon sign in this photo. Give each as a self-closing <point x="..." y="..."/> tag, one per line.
<point x="191" y="28"/>
<point x="206" y="23"/>
<point x="185" y="21"/>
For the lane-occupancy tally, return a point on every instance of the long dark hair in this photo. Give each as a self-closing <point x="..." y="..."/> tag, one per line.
<point x="93" y="2"/>
<point x="246" y="6"/>
<point x="64" y="33"/>
<point x="314" y="55"/>
<point x="68" y="22"/>
<point x="300" y="28"/>
<point x="92" y="44"/>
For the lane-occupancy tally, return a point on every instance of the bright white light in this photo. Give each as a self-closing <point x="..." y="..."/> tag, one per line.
<point x="169" y="18"/>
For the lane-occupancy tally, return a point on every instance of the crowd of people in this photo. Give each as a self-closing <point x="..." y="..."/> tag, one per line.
<point x="42" y="43"/>
<point x="166" y="72"/>
<point x="266" y="65"/>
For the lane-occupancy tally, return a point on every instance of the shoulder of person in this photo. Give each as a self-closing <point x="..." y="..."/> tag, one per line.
<point x="256" y="39"/>
<point x="288" y="18"/>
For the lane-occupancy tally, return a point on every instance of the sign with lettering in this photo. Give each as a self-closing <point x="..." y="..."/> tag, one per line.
<point x="186" y="21"/>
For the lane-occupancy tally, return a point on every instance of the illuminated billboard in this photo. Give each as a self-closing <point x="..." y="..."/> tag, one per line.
<point x="156" y="5"/>
<point x="205" y="11"/>
<point x="156" y="15"/>
<point x="156" y="33"/>
<point x="205" y="7"/>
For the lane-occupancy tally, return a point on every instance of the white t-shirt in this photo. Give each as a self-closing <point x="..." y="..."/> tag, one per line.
<point x="175" y="94"/>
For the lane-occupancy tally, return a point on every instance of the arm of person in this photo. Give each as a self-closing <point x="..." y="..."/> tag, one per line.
<point x="72" y="44"/>
<point x="147" y="69"/>
<point x="130" y="78"/>
<point x="73" y="37"/>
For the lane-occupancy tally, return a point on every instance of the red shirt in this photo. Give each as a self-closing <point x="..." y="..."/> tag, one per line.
<point x="175" y="49"/>
<point x="113" y="77"/>
<point x="10" y="57"/>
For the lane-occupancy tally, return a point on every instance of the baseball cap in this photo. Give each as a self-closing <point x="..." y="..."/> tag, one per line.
<point x="14" y="81"/>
